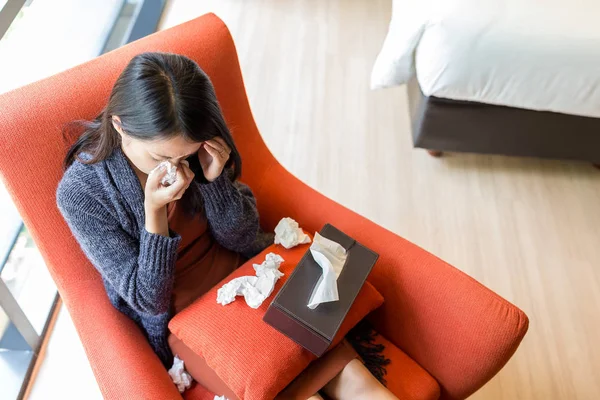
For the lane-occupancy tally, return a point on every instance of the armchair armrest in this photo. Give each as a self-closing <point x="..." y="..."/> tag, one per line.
<point x="457" y="329"/>
<point x="123" y="362"/>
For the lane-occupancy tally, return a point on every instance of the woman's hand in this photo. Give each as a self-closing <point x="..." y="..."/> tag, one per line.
<point x="158" y="196"/>
<point x="213" y="155"/>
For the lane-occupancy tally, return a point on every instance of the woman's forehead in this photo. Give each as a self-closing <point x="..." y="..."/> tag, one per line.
<point x="173" y="147"/>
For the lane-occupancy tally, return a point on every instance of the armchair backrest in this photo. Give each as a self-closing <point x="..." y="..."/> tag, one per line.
<point x="32" y="118"/>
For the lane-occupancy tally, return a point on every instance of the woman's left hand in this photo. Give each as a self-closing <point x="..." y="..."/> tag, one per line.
<point x="213" y="156"/>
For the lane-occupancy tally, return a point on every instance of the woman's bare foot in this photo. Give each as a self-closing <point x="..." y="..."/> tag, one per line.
<point x="356" y="382"/>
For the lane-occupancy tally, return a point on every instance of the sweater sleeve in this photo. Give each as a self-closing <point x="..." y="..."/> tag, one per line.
<point x="140" y="269"/>
<point x="232" y="215"/>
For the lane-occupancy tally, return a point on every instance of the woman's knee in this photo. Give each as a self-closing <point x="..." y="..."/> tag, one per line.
<point x="357" y="383"/>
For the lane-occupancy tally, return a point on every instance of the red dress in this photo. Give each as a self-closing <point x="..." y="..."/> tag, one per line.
<point x="201" y="262"/>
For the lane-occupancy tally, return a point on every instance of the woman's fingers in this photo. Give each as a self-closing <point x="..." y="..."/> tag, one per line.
<point x="219" y="144"/>
<point x="155" y="176"/>
<point x="189" y="176"/>
<point x="223" y="143"/>
<point x="215" y="145"/>
<point x="214" y="152"/>
<point x="187" y="172"/>
<point x="213" y="158"/>
<point x="180" y="183"/>
<point x="158" y="194"/>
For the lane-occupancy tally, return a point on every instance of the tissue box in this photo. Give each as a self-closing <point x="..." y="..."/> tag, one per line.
<point x="315" y="329"/>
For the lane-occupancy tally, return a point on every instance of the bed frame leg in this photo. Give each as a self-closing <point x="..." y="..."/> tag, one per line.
<point x="435" y="153"/>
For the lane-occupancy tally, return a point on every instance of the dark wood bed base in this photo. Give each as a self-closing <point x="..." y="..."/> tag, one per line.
<point x="460" y="126"/>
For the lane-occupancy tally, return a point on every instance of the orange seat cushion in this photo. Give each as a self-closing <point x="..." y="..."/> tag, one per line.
<point x="255" y="360"/>
<point x="405" y="378"/>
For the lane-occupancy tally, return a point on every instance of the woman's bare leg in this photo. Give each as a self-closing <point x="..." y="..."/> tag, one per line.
<point x="315" y="397"/>
<point x="356" y="382"/>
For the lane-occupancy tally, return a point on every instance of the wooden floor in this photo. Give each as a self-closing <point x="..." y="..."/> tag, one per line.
<point x="528" y="229"/>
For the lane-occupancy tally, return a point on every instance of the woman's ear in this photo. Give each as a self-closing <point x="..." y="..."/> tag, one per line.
<point x="116" y="123"/>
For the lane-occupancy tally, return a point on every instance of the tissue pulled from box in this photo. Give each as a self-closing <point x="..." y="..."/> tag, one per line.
<point x="331" y="257"/>
<point x="179" y="376"/>
<point x="289" y="234"/>
<point x="255" y="289"/>
<point x="171" y="175"/>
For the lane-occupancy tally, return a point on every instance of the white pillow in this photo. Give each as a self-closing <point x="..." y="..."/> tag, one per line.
<point x="395" y="64"/>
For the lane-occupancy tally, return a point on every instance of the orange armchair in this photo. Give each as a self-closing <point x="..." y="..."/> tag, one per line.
<point x="458" y="330"/>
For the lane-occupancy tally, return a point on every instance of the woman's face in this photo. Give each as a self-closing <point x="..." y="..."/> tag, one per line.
<point x="145" y="155"/>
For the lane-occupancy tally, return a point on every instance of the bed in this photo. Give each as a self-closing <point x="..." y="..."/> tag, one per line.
<point x="513" y="77"/>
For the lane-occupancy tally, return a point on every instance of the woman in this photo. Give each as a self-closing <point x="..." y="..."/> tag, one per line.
<point x="159" y="247"/>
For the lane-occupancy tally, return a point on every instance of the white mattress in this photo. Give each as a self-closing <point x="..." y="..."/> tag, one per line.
<point x="532" y="54"/>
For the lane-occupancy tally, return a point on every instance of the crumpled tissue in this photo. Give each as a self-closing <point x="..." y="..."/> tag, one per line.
<point x="289" y="234"/>
<point x="331" y="257"/>
<point x="171" y="175"/>
<point x="180" y="377"/>
<point x="255" y="289"/>
<point x="220" y="398"/>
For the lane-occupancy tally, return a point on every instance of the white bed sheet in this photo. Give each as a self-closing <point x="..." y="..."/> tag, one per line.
<point x="532" y="54"/>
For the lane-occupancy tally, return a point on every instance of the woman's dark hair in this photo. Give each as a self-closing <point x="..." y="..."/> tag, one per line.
<point x="158" y="95"/>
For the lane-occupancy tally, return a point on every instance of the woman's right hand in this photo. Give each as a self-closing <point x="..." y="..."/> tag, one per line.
<point x="157" y="196"/>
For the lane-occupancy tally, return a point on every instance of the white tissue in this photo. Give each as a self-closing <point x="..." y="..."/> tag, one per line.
<point x="255" y="289"/>
<point x="331" y="256"/>
<point x="220" y="398"/>
<point x="289" y="234"/>
<point x="171" y="175"/>
<point x="180" y="377"/>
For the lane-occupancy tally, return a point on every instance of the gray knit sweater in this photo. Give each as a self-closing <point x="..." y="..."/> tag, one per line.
<point x="103" y="204"/>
